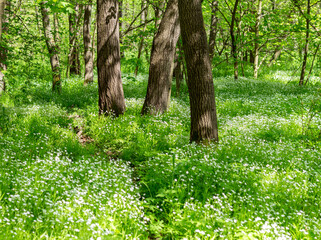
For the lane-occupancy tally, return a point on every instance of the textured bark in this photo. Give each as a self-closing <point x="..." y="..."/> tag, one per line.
<point x="200" y="79"/>
<point x="111" y="95"/>
<point x="74" y="61"/>
<point x="306" y="47"/>
<point x="88" y="54"/>
<point x="257" y="35"/>
<point x="52" y="48"/>
<point x="213" y="29"/>
<point x="233" y="40"/>
<point x="162" y="61"/>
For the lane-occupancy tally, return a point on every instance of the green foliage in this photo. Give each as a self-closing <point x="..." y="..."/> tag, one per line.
<point x="61" y="170"/>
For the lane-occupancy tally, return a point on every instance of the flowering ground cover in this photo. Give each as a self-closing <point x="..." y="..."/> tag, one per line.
<point x="66" y="173"/>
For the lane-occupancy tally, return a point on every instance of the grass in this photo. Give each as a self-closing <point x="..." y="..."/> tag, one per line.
<point x="66" y="173"/>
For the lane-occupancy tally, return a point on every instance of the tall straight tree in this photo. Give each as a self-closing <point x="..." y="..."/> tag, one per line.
<point x="200" y="79"/>
<point x="233" y="41"/>
<point x="306" y="46"/>
<point x="52" y="47"/>
<point x="111" y="94"/>
<point x="73" y="58"/>
<point x="2" y="48"/>
<point x="88" y="54"/>
<point x="162" y="61"/>
<point x="257" y="35"/>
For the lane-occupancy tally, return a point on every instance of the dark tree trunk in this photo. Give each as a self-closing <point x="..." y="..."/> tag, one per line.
<point x="3" y="50"/>
<point x="306" y="47"/>
<point x="52" y="48"/>
<point x="74" y="61"/>
<point x="213" y="29"/>
<point x="88" y="54"/>
<point x="233" y="41"/>
<point x="162" y="61"/>
<point x="200" y="80"/>
<point x="111" y="94"/>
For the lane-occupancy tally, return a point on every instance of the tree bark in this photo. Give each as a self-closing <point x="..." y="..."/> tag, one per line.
<point x="257" y="35"/>
<point x="213" y="29"/>
<point x="306" y="47"/>
<point x="200" y="79"/>
<point x="74" y="61"/>
<point x="2" y="48"/>
<point x="111" y="94"/>
<point x="52" y="48"/>
<point x="162" y="61"/>
<point x="88" y="54"/>
<point x="233" y="41"/>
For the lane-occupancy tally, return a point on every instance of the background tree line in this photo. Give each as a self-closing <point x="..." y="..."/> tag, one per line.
<point x="65" y="38"/>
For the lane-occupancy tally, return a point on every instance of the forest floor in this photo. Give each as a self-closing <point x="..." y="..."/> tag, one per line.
<point x="66" y="173"/>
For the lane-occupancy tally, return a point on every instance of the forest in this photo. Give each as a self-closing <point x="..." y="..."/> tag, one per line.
<point x="160" y="119"/>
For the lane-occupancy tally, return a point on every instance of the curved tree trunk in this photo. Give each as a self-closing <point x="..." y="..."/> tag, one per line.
<point x="111" y="94"/>
<point x="88" y="54"/>
<point x="200" y="79"/>
<point x="52" y="48"/>
<point x="162" y="61"/>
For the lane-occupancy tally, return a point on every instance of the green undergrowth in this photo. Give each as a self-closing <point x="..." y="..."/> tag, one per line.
<point x="66" y="173"/>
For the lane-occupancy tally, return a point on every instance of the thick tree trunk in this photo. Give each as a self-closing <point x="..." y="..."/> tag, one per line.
<point x="233" y="41"/>
<point x="111" y="94"/>
<point x="213" y="29"/>
<point x="200" y="80"/>
<point x="74" y="61"/>
<point x="52" y="48"/>
<point x="306" y="47"/>
<point x="88" y="54"/>
<point x="141" y="43"/>
<point x="162" y="61"/>
<point x="257" y="35"/>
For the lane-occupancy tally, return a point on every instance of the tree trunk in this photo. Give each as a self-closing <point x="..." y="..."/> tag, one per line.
<point x="111" y="94"/>
<point x="162" y="61"/>
<point x="200" y="79"/>
<point x="257" y="35"/>
<point x="88" y="54"/>
<point x="213" y="29"/>
<point x="275" y="56"/>
<point x="74" y="61"/>
<point x="52" y="48"/>
<point x="3" y="50"/>
<point x="141" y="43"/>
<point x="306" y="47"/>
<point x="233" y="40"/>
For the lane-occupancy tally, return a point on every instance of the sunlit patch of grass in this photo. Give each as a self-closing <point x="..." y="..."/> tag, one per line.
<point x="139" y="177"/>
